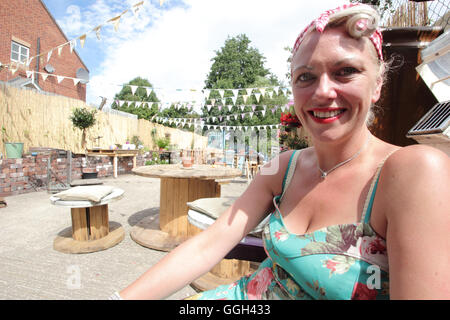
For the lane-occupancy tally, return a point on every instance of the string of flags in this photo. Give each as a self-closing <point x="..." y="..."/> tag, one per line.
<point x="220" y="118"/>
<point x="198" y="123"/>
<point x="32" y="74"/>
<point x="115" y="21"/>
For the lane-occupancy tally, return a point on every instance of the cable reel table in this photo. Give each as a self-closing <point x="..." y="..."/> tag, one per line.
<point x="91" y="229"/>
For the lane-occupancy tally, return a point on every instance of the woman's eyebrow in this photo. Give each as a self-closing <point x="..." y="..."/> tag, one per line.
<point x="302" y="67"/>
<point x="352" y="59"/>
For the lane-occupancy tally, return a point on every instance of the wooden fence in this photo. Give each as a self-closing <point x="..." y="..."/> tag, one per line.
<point x="40" y="120"/>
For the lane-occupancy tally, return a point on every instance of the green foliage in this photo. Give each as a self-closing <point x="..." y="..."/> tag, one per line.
<point x="163" y="142"/>
<point x="136" y="141"/>
<point x="83" y="118"/>
<point x="238" y="66"/>
<point x="5" y="136"/>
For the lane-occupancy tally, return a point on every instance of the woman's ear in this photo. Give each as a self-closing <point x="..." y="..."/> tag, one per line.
<point x="379" y="84"/>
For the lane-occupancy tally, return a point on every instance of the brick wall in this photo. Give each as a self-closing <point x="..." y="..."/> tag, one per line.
<point x="29" y="174"/>
<point x="28" y="20"/>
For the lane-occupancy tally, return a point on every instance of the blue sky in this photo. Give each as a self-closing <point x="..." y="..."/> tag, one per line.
<point x="172" y="45"/>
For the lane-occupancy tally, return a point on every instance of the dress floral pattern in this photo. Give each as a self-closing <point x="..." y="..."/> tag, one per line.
<point x="346" y="261"/>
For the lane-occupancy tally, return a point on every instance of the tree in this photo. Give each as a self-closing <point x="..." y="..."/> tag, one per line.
<point x="83" y="119"/>
<point x="139" y="96"/>
<point x="238" y="66"/>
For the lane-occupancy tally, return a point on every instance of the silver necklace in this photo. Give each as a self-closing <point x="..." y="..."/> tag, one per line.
<point x="325" y="173"/>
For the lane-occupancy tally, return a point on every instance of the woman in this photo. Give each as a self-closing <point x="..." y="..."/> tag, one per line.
<point x="339" y="207"/>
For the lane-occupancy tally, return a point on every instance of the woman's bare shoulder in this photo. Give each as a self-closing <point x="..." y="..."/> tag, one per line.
<point x="423" y="157"/>
<point x="411" y="173"/>
<point x="273" y="172"/>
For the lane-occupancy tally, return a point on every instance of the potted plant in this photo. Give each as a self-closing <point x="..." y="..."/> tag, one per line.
<point x="13" y="150"/>
<point x="162" y="143"/>
<point x="83" y="119"/>
<point x="289" y="136"/>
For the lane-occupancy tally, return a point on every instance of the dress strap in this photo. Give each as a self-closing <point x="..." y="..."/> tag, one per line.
<point x="367" y="210"/>
<point x="290" y="171"/>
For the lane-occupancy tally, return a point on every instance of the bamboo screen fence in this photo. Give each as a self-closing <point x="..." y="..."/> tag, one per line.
<point x="40" y="120"/>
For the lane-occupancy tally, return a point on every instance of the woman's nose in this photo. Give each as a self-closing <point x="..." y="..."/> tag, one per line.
<point x="325" y="88"/>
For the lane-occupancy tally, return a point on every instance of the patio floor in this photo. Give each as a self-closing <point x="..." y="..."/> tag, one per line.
<point x="31" y="269"/>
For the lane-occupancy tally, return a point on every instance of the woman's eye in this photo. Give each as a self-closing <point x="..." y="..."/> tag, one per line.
<point x="347" y="71"/>
<point x="304" y="77"/>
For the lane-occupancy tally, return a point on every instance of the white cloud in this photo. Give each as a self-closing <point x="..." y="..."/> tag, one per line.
<point x="175" y="50"/>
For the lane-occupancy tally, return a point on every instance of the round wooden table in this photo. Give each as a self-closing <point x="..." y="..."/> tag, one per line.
<point x="179" y="185"/>
<point x="91" y="229"/>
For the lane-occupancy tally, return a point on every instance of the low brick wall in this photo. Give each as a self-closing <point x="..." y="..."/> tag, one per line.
<point x="30" y="173"/>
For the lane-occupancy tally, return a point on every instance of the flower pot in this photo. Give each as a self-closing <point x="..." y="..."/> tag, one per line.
<point x="89" y="175"/>
<point x="14" y="150"/>
<point x="187" y="162"/>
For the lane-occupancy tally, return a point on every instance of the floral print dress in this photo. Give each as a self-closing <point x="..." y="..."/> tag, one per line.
<point x="345" y="261"/>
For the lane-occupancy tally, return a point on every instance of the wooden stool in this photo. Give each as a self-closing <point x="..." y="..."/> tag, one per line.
<point x="91" y="229"/>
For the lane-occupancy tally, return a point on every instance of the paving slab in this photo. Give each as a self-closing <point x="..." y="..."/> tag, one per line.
<point x="30" y="269"/>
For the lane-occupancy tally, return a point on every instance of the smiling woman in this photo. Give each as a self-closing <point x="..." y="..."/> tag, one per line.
<point x="352" y="217"/>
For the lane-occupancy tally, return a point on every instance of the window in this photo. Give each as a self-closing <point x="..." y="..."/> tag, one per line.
<point x="19" y="53"/>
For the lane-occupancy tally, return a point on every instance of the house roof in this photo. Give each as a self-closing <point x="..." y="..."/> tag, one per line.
<point x="62" y="32"/>
<point x="22" y="82"/>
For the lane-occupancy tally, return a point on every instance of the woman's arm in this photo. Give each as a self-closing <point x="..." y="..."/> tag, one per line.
<point x="199" y="254"/>
<point x="415" y="195"/>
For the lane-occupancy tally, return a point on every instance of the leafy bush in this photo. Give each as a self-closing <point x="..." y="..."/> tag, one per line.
<point x="162" y="142"/>
<point x="82" y="118"/>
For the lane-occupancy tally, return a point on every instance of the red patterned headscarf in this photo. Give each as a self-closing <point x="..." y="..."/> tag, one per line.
<point x="321" y="22"/>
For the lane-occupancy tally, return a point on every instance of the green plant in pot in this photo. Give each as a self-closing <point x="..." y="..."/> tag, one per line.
<point x="83" y="119"/>
<point x="162" y="143"/>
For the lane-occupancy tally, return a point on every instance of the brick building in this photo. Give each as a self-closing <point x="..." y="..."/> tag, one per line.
<point x="27" y="29"/>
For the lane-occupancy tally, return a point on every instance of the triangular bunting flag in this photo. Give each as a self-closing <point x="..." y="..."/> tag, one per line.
<point x="28" y="61"/>
<point x="257" y="96"/>
<point x="133" y="89"/>
<point x="49" y="54"/>
<point x="82" y="40"/>
<point x="60" y="78"/>
<point x="73" y="44"/>
<point x="29" y="73"/>
<point x="75" y="81"/>
<point x="97" y="31"/>
<point x="263" y="91"/>
<point x="44" y="76"/>
<point x="116" y="21"/>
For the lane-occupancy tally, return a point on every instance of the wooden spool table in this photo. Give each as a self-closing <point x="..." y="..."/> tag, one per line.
<point x="178" y="186"/>
<point x="225" y="272"/>
<point x="91" y="229"/>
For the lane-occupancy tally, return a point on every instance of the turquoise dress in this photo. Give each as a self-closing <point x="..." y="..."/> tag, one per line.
<point x="345" y="261"/>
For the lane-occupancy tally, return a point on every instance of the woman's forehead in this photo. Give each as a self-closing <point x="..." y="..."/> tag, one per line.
<point x="333" y="44"/>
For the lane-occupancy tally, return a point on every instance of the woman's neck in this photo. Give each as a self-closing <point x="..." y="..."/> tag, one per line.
<point x="330" y="154"/>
